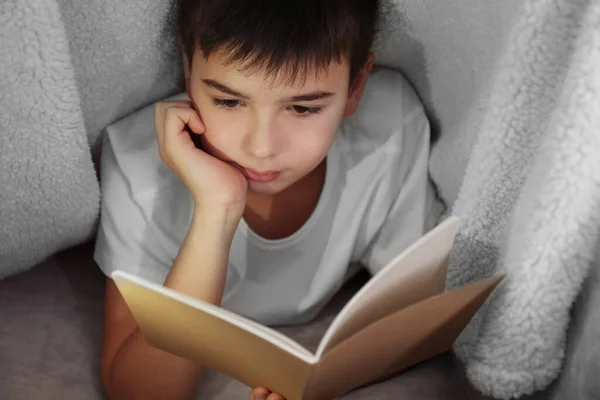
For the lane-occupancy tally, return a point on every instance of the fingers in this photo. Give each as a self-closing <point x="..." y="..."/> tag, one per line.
<point x="275" y="396"/>
<point x="171" y="120"/>
<point x="194" y="122"/>
<point x="177" y="118"/>
<point x="262" y="393"/>
<point x="179" y="110"/>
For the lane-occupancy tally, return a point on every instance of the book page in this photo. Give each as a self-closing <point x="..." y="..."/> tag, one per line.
<point x="398" y="341"/>
<point x="252" y="326"/>
<point x="416" y="274"/>
<point x="215" y="338"/>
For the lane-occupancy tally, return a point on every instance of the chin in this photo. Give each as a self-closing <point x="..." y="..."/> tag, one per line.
<point x="267" y="189"/>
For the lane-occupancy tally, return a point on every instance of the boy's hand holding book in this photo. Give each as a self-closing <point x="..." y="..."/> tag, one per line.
<point x="262" y="393"/>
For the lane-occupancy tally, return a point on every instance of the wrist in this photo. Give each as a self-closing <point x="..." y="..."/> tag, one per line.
<point x="222" y="208"/>
<point x="217" y="218"/>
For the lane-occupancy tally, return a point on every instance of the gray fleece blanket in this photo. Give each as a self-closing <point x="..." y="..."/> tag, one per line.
<point x="513" y="91"/>
<point x="530" y="199"/>
<point x="49" y="195"/>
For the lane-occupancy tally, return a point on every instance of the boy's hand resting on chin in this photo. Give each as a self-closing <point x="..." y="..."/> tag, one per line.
<point x="212" y="182"/>
<point x="262" y="393"/>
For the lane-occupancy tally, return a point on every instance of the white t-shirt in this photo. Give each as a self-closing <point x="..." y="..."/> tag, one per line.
<point x="377" y="200"/>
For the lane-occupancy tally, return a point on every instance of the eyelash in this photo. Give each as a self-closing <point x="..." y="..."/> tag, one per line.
<point x="222" y="103"/>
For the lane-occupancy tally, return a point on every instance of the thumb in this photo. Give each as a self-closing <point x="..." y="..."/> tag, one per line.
<point x="259" y="392"/>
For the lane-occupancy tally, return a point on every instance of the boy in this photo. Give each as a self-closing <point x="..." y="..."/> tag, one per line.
<point x="257" y="189"/>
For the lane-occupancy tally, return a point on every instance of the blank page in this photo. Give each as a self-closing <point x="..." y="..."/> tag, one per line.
<point x="414" y="275"/>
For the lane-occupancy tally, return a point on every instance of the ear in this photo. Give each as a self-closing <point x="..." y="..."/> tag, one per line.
<point x="358" y="86"/>
<point x="186" y="71"/>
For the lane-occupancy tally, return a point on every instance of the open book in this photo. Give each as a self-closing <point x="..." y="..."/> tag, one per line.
<point x="400" y="317"/>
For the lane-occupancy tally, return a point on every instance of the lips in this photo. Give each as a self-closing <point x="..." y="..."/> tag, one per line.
<point x="258" y="176"/>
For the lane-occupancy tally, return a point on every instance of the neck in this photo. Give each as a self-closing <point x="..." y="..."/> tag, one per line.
<point x="269" y="215"/>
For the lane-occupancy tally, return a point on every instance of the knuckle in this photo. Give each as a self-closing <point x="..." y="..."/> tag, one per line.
<point x="170" y="112"/>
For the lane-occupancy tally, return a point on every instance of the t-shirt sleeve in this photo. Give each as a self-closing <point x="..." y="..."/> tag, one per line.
<point x="412" y="207"/>
<point x="124" y="240"/>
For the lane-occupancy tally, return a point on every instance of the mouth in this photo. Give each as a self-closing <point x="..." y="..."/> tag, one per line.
<point x="258" y="176"/>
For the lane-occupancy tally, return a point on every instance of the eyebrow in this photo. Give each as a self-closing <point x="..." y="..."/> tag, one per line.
<point x="313" y="96"/>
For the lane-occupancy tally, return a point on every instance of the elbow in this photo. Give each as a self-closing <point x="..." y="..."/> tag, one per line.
<point x="120" y="384"/>
<point x="118" y="389"/>
<point x="113" y="391"/>
<point x="106" y="379"/>
<point x="122" y="391"/>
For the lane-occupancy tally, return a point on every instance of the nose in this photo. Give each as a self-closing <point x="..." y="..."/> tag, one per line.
<point x="263" y="139"/>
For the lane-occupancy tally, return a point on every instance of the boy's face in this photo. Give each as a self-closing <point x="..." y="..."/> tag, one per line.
<point x="263" y="125"/>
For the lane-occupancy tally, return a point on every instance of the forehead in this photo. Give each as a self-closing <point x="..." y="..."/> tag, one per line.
<point x="290" y="77"/>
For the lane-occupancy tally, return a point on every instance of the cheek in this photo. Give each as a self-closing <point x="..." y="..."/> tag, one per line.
<point x="313" y="141"/>
<point x="218" y="127"/>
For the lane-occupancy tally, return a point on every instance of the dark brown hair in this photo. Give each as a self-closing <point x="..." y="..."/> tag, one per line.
<point x="280" y="37"/>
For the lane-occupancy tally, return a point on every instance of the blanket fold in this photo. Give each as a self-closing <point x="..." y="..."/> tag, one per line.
<point x="530" y="200"/>
<point x="49" y="195"/>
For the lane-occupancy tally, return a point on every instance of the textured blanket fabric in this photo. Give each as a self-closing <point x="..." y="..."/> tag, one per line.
<point x="582" y="363"/>
<point x="124" y="54"/>
<point x="518" y="112"/>
<point x="448" y="50"/>
<point x="530" y="200"/>
<point x="49" y="194"/>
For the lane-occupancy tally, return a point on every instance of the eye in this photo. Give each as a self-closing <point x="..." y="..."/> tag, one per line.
<point x="227" y="103"/>
<point x="304" y="111"/>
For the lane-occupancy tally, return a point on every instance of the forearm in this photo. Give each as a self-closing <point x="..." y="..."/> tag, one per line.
<point x="140" y="371"/>
<point x="199" y="270"/>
